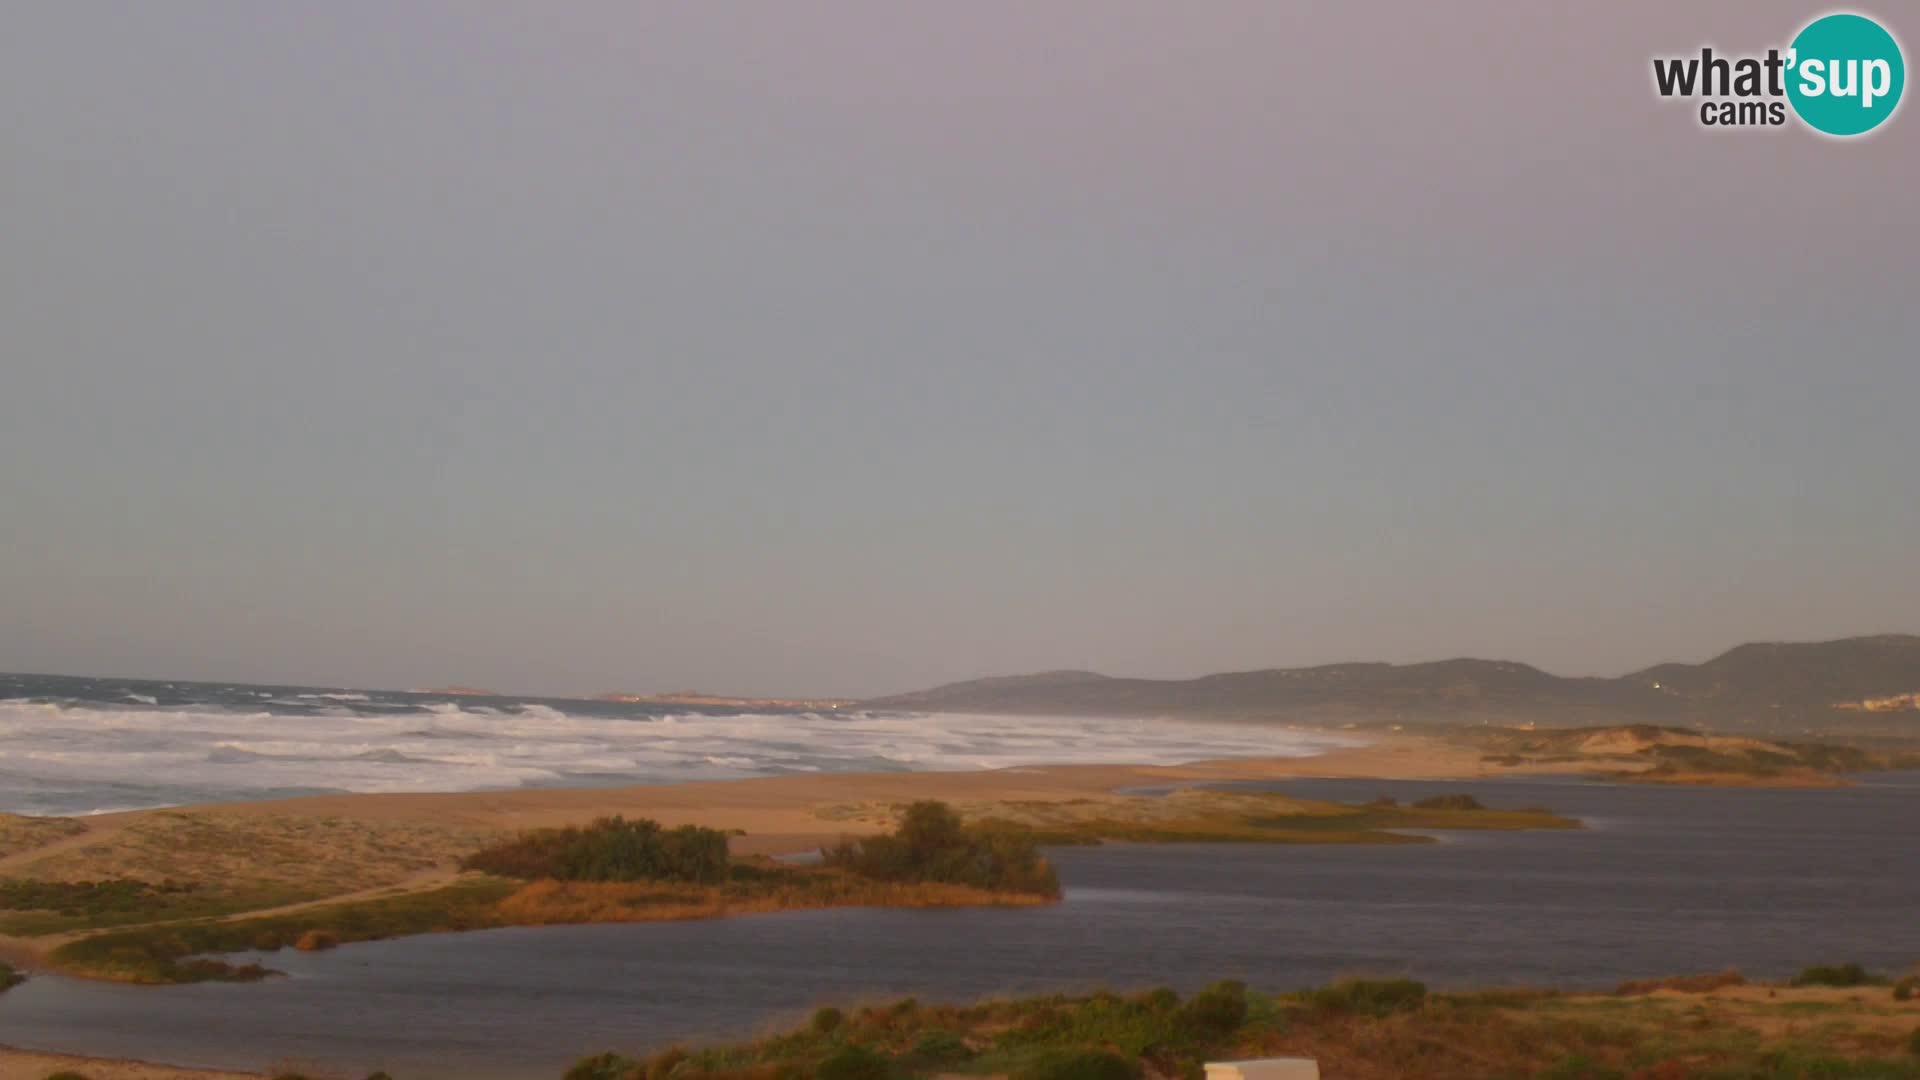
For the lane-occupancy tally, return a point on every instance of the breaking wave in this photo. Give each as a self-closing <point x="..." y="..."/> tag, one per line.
<point x="66" y="756"/>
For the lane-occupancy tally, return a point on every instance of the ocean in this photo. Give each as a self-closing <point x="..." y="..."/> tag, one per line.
<point x="81" y="745"/>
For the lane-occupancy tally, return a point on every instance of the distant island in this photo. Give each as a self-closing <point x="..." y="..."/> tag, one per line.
<point x="1861" y="685"/>
<point x="458" y="691"/>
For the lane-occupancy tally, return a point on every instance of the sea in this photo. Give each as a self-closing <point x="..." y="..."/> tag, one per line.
<point x="73" y="745"/>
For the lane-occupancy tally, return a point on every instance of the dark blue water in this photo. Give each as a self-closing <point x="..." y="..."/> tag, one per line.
<point x="1666" y="880"/>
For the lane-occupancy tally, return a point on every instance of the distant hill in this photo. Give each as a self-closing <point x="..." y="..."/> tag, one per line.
<point x="1866" y="684"/>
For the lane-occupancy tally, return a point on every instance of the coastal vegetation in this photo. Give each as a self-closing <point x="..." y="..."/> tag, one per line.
<point x="171" y="865"/>
<point x="1211" y="815"/>
<point x="1650" y="753"/>
<point x="610" y="849"/>
<point x="612" y="870"/>
<point x="1843" y="975"/>
<point x="186" y="951"/>
<point x="31" y="907"/>
<point x="19" y="834"/>
<point x="1357" y="1029"/>
<point x="931" y="845"/>
<point x="146" y="928"/>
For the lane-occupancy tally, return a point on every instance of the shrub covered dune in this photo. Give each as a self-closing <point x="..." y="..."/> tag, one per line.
<point x="613" y="870"/>
<point x="1711" y="1027"/>
<point x="635" y="870"/>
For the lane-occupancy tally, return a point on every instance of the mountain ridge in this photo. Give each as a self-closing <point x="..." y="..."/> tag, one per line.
<point x="1759" y="685"/>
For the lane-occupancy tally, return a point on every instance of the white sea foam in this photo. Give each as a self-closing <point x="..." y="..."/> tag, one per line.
<point x="77" y="759"/>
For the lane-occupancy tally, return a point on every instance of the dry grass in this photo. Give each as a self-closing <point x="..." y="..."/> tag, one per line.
<point x="1739" y="1031"/>
<point x="22" y="834"/>
<point x="316" y="941"/>
<point x="1203" y="814"/>
<point x="1185" y="804"/>
<point x="285" y="858"/>
<point x="545" y="903"/>
<point x="1683" y="984"/>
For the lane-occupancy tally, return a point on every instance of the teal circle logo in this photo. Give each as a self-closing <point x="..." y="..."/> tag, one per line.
<point x="1845" y="74"/>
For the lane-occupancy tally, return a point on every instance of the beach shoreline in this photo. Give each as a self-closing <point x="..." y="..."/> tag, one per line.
<point x="773" y="816"/>
<point x="769" y="816"/>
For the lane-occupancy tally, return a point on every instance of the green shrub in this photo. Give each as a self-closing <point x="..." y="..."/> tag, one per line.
<point x="1161" y="999"/>
<point x="9" y="978"/>
<point x="1370" y="997"/>
<point x="1903" y="990"/>
<point x="853" y="1062"/>
<point x="940" y="1047"/>
<point x="1078" y="1065"/>
<point x="1448" y="802"/>
<point x="610" y="849"/>
<point x="66" y="1074"/>
<point x="931" y="844"/>
<point x="1214" y="1013"/>
<point x="608" y="1066"/>
<point x="379" y="1074"/>
<point x="1834" y="975"/>
<point x="662" y="1065"/>
<point x="84" y="897"/>
<point x="1913" y="1043"/>
<point x="1580" y="1067"/>
<point x="828" y="1020"/>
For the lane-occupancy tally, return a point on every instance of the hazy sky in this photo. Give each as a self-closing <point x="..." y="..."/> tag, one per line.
<point x="853" y="347"/>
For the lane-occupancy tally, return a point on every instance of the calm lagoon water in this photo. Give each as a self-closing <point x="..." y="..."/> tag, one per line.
<point x="1663" y="880"/>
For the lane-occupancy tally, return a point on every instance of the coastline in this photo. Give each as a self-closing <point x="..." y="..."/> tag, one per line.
<point x="775" y="815"/>
<point x="362" y="845"/>
<point x="241" y="860"/>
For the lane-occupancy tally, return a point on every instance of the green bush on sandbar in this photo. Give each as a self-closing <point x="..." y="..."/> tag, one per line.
<point x="933" y="845"/>
<point x="610" y="849"/>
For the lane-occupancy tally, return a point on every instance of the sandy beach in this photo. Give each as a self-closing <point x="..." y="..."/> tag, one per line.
<point x="317" y="849"/>
<point x="31" y="1065"/>
<point x="780" y="814"/>
<point x="774" y="815"/>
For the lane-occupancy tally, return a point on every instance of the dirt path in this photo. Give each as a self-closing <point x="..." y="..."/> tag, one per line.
<point x="27" y="952"/>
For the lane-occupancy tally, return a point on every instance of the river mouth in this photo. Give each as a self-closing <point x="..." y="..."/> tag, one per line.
<point x="1665" y="880"/>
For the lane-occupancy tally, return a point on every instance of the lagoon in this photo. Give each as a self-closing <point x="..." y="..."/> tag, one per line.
<point x="1663" y="880"/>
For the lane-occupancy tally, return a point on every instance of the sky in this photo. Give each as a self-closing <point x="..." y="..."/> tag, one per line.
<point x="849" y="348"/>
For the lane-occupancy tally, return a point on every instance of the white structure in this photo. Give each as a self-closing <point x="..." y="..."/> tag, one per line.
<point x="1264" y="1069"/>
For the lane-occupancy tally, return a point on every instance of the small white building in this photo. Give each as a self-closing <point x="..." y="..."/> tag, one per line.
<point x="1290" y="1068"/>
